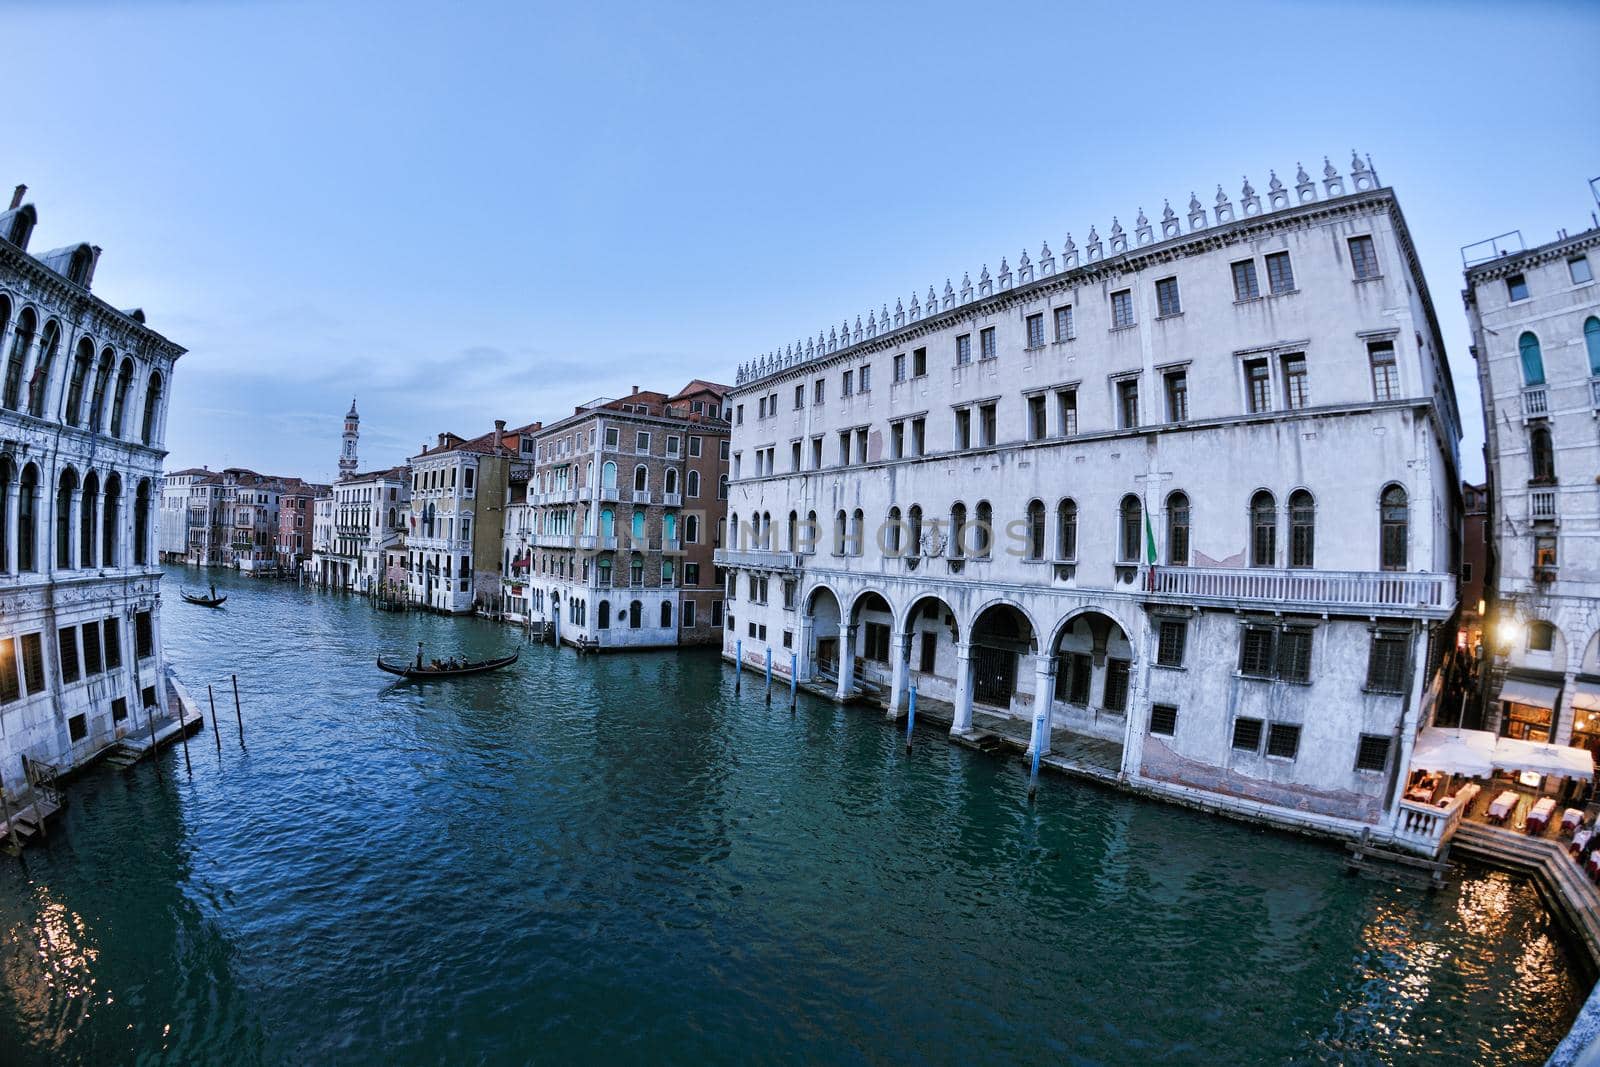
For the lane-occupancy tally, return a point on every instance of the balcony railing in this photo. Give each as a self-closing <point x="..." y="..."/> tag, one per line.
<point x="597" y="542"/>
<point x="671" y="544"/>
<point x="554" y="540"/>
<point x="758" y="558"/>
<point x="641" y="496"/>
<point x="1594" y="392"/>
<point x="1429" y="594"/>
<point x="1542" y="505"/>
<point x="1425" y="828"/>
<point x="608" y="492"/>
<point x="1535" y="401"/>
<point x="672" y="500"/>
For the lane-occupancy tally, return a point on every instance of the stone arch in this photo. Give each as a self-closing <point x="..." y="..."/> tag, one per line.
<point x="824" y="612"/>
<point x="1002" y="634"/>
<point x="1094" y="656"/>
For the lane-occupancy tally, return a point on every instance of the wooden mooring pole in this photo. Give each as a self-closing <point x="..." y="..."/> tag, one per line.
<point x="183" y="735"/>
<point x="155" y="749"/>
<point x="236" y="710"/>
<point x="5" y="809"/>
<point x="216" y="731"/>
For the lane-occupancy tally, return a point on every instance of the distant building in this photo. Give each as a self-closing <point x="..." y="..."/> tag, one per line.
<point x="188" y="512"/>
<point x="348" y="463"/>
<point x="1476" y="566"/>
<point x="1535" y="320"/>
<point x="458" y="496"/>
<point x="83" y="403"/>
<point x="370" y="514"/>
<point x="295" y="523"/>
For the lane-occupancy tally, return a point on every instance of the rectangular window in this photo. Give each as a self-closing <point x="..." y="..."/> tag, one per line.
<point x="1064" y="323"/>
<point x="113" y="632"/>
<point x="1257" y="386"/>
<point x="67" y="647"/>
<point x="1372" y="753"/>
<point x="819" y="391"/>
<point x="1122" y="309"/>
<point x="988" y="425"/>
<point x="1169" y="649"/>
<point x="77" y="728"/>
<point x="10" y="684"/>
<point x="1256" y="651"/>
<point x="691" y="574"/>
<point x="1363" y="258"/>
<point x="1163" y="719"/>
<point x="1038" y="420"/>
<point x="641" y="442"/>
<point x="144" y="634"/>
<point x="93" y="662"/>
<point x="1177" y="383"/>
<point x="897" y="440"/>
<point x="1294" y="654"/>
<point x="1580" y="271"/>
<point x="1167" y="303"/>
<point x="119" y="709"/>
<point x="1067" y="412"/>
<point x="816" y="453"/>
<point x="1247" y="735"/>
<point x="844" y="448"/>
<point x="761" y="408"/>
<point x="963" y="349"/>
<point x="1245" y="286"/>
<point x="1385" y="375"/>
<point x="918" y="436"/>
<point x="1283" y="740"/>
<point x="846" y="383"/>
<point x="614" y="435"/>
<point x="865" y="378"/>
<point x="1517" y="287"/>
<point x="694" y="447"/>
<point x="1128" y="402"/>
<point x="799" y="397"/>
<point x="33" y="662"/>
<point x="1073" y="673"/>
<point x="1116" y="693"/>
<point x="794" y="456"/>
<point x="963" y="429"/>
<point x="1296" y="391"/>
<point x="877" y="642"/>
<point x="688" y="614"/>
<point x="919" y="362"/>
<point x="716" y="613"/>
<point x="1036" y="330"/>
<point x="900" y="367"/>
<point x="1386" y="664"/>
<point x="986" y="343"/>
<point x="1280" y="275"/>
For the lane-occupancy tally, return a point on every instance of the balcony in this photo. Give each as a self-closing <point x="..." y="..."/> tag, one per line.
<point x="584" y="492"/>
<point x="1535" y="402"/>
<point x="672" y="500"/>
<point x="1542" y="505"/>
<point x="555" y="541"/>
<point x="608" y="492"/>
<point x="1424" y="828"/>
<point x="1429" y="595"/>
<point x="671" y="544"/>
<point x="597" y="542"/>
<point x="1594" y="393"/>
<point x="641" y="496"/>
<point x="757" y="559"/>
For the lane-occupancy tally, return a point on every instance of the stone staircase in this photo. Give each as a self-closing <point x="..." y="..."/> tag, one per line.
<point x="1561" y="882"/>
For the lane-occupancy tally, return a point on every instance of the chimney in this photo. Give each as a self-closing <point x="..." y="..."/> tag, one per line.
<point x="499" y="434"/>
<point x="636" y="389"/>
<point x="16" y="197"/>
<point x="441" y="440"/>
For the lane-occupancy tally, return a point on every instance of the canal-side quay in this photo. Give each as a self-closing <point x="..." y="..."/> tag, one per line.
<point x="623" y="857"/>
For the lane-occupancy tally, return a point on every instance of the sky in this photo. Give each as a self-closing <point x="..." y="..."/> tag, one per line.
<point x="458" y="213"/>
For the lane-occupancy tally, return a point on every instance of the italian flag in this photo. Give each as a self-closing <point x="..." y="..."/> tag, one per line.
<point x="1149" y="539"/>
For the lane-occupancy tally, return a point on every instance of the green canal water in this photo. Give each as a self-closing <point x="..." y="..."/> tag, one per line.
<point x="621" y="860"/>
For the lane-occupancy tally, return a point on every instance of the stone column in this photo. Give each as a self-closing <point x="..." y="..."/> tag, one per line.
<point x="74" y="531"/>
<point x="847" y="662"/>
<point x="963" y="714"/>
<point x="13" y="503"/>
<point x="1044" y="677"/>
<point x="900" y="667"/>
<point x="1561" y="729"/>
<point x="803" y="653"/>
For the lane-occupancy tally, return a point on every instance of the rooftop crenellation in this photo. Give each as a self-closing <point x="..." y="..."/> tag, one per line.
<point x="1362" y="178"/>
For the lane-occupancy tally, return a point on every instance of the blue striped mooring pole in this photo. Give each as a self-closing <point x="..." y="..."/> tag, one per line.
<point x="794" y="682"/>
<point x="769" y="674"/>
<point x="738" y="663"/>
<point x="911" y="717"/>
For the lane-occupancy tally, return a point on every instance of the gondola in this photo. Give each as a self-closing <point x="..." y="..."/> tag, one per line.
<point x="416" y="672"/>
<point x="203" y="601"/>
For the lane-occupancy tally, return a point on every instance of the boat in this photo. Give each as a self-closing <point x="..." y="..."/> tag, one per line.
<point x="212" y="601"/>
<point x="418" y="671"/>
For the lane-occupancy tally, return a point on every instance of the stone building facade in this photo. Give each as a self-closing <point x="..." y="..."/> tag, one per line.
<point x="1189" y="491"/>
<point x="458" y="499"/>
<point x="623" y="507"/>
<point x="295" y="525"/>
<point x="1535" y="320"/>
<point x="371" y="511"/>
<point x="83" y="403"/>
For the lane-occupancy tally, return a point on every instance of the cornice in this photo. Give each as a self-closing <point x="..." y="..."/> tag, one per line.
<point x="66" y="295"/>
<point x="1499" y="268"/>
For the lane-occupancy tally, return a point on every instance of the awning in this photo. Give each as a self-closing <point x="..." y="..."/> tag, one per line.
<point x="1522" y="691"/>
<point x="1465" y="752"/>
<point x="1563" y="760"/>
<point x="1587" y="696"/>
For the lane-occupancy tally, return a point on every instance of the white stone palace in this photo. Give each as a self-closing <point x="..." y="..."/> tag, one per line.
<point x="1184" y="497"/>
<point x="1535" y="318"/>
<point x="83" y="402"/>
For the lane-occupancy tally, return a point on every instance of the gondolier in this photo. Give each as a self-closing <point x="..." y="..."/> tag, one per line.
<point x="451" y="668"/>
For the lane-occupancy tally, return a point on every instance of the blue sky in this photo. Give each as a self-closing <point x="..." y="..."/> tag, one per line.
<point x="460" y="214"/>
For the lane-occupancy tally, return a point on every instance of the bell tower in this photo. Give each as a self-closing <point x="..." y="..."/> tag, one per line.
<point x="352" y="432"/>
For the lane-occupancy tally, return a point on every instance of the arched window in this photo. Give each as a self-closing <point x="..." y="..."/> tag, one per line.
<point x="670" y="484"/>
<point x="1395" y="532"/>
<point x="141" y="523"/>
<point x="1067" y="530"/>
<point x="603" y="615"/>
<point x="7" y="476"/>
<point x="81" y="365"/>
<point x="39" y="383"/>
<point x="87" y="512"/>
<point x="608" y="475"/>
<point x="1036" y="529"/>
<point x="983" y="530"/>
<point x="119" y="399"/>
<point x="21" y="338"/>
<point x="1591" y="340"/>
<point x="958" y="530"/>
<point x="733" y="530"/>
<point x="891" y="534"/>
<point x="1532" y="361"/>
<point x="1302" y="529"/>
<point x="1178" y="530"/>
<point x="669" y="526"/>
<point x="78" y="266"/>
<point x="97" y="400"/>
<point x="152" y="408"/>
<point x="668" y="572"/>
<point x="793" y="542"/>
<point x="64" y="493"/>
<point x="1541" y="636"/>
<point x="1263" y="530"/>
<point x="608" y="523"/>
<point x="858" y="531"/>
<point x="914" y="531"/>
<point x="603" y="568"/>
<point x="666" y="614"/>
<point x="635" y="614"/>
<point x="110" y="542"/>
<point x="638" y="528"/>
<point x="641" y="479"/>
<point x="813" y="532"/>
<point x="27" y="520"/>
<point x="693" y="484"/>
<point x="691" y="529"/>
<point x="1130" y="519"/>
<point x="636" y="572"/>
<point x="1541" y="454"/>
<point x="841" y="523"/>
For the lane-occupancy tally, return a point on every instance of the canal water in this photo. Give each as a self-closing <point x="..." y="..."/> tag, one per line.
<point x="619" y="859"/>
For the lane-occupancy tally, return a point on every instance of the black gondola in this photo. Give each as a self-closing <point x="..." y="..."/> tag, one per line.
<point x="416" y="671"/>
<point x="212" y="601"/>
